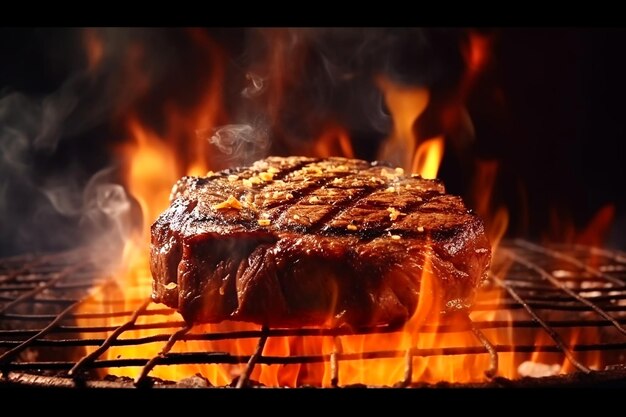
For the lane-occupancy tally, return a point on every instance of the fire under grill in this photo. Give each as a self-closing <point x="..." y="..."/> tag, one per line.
<point x="557" y="304"/>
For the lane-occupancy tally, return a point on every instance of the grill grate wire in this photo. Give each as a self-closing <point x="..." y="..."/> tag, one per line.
<point x="545" y="282"/>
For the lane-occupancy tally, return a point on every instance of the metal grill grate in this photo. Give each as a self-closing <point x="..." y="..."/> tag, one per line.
<point x="539" y="295"/>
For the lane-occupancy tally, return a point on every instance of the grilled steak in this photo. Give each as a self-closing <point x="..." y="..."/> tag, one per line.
<point x="295" y="241"/>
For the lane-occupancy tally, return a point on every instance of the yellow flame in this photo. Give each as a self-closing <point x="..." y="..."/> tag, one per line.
<point x="428" y="158"/>
<point x="405" y="105"/>
<point x="403" y="146"/>
<point x="153" y="169"/>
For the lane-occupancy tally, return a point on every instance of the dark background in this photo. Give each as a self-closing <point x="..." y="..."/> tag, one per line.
<point x="564" y="128"/>
<point x="550" y="107"/>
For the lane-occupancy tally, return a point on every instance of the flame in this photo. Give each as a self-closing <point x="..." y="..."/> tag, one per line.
<point x="428" y="157"/>
<point x="594" y="233"/>
<point x="405" y="105"/>
<point x="153" y="162"/>
<point x="152" y="167"/>
<point x="334" y="141"/>
<point x="496" y="218"/>
<point x="559" y="364"/>
<point x="156" y="159"/>
<point x="477" y="57"/>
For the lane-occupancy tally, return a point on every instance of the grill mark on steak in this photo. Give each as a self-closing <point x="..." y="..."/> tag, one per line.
<point x="302" y="194"/>
<point x="372" y="233"/>
<point x="283" y="173"/>
<point x="340" y="208"/>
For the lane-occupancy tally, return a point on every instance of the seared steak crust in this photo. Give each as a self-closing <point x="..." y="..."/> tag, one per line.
<point x="295" y="241"/>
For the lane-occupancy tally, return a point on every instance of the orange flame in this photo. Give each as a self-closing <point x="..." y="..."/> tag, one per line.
<point x="334" y="141"/>
<point x="477" y="55"/>
<point x="403" y="146"/>
<point x="562" y="227"/>
<point x="496" y="219"/>
<point x="154" y="161"/>
<point x="428" y="157"/>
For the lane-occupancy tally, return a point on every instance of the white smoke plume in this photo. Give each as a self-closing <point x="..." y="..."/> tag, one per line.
<point x="256" y="85"/>
<point x="240" y="143"/>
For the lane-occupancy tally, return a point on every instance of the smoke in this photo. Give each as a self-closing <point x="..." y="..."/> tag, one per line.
<point x="300" y="81"/>
<point x="29" y="128"/>
<point x="49" y="146"/>
<point x="64" y="199"/>
<point x="241" y="143"/>
<point x="111" y="216"/>
<point x="255" y="87"/>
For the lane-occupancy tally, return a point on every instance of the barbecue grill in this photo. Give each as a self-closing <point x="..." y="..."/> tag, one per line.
<point x="546" y="291"/>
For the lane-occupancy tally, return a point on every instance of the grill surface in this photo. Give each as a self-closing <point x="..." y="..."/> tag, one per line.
<point x="550" y="292"/>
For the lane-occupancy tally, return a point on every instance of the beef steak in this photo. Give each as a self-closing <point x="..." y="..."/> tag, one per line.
<point x="295" y="241"/>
